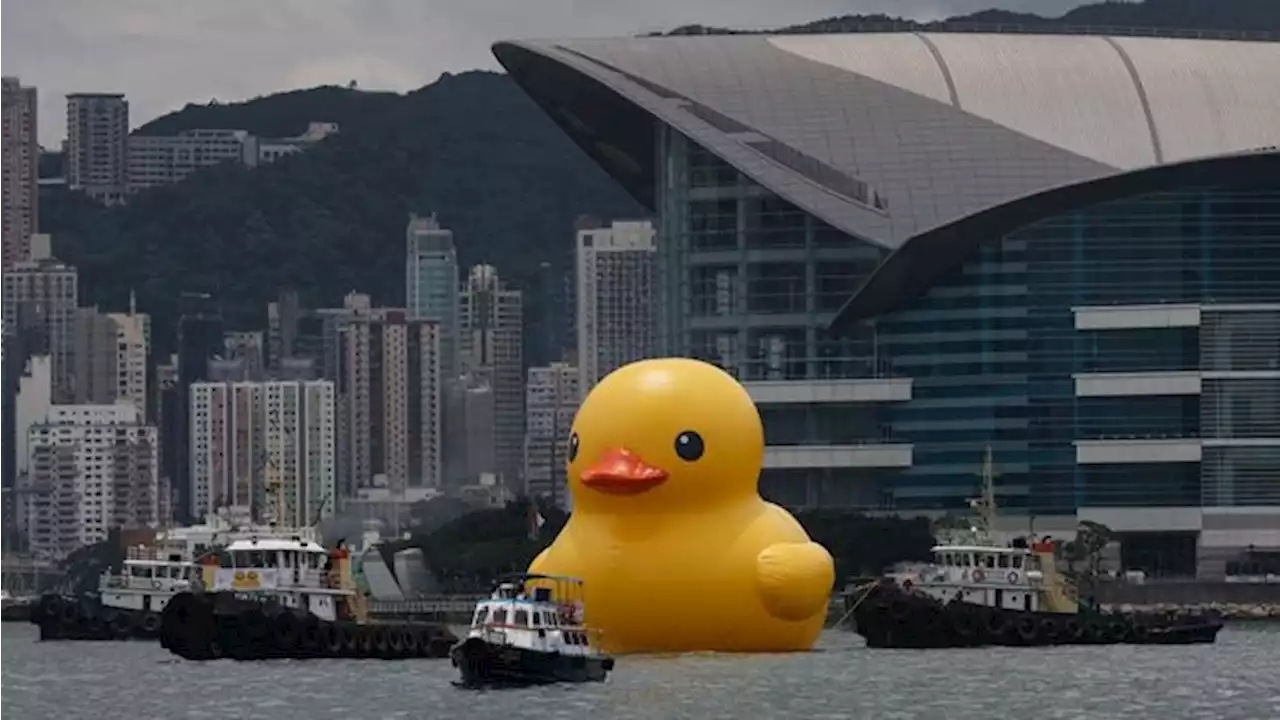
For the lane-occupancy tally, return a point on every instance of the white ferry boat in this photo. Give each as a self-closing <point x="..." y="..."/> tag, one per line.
<point x="531" y="630"/>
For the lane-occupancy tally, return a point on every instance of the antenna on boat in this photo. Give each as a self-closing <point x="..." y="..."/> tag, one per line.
<point x="986" y="504"/>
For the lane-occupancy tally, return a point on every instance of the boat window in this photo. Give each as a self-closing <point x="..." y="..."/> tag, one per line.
<point x="1004" y="561"/>
<point x="537" y="619"/>
<point x="500" y="616"/>
<point x="314" y="562"/>
<point x="1017" y="561"/>
<point x="989" y="561"/>
<point x="140" y="571"/>
<point x="480" y="615"/>
<point x="273" y="559"/>
<point x="521" y="618"/>
<point x="966" y="559"/>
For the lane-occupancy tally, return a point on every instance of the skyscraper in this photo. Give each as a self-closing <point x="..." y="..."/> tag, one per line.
<point x="391" y="397"/>
<point x="92" y="468"/>
<point x="40" y="300"/>
<point x="431" y="283"/>
<point x="492" y="318"/>
<point x="111" y="357"/>
<point x="260" y="445"/>
<point x="551" y="400"/>
<point x="97" y="155"/>
<point x="616" y="298"/>
<point x="21" y="170"/>
<point x="199" y="339"/>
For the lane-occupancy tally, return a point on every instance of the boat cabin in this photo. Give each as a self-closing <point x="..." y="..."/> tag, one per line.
<point x="1004" y="577"/>
<point x="147" y="585"/>
<point x="277" y="563"/>
<point x="532" y="617"/>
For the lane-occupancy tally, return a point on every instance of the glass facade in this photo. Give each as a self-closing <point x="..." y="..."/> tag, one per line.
<point x="750" y="283"/>
<point x="994" y="352"/>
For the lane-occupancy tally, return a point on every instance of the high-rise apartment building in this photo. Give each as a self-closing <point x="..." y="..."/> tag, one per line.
<point x="391" y="398"/>
<point x="551" y="399"/>
<point x="110" y="357"/>
<point x="92" y="468"/>
<point x="266" y="447"/>
<point x="431" y="284"/>
<point x="40" y="300"/>
<point x="617" y="296"/>
<point x="492" y="337"/>
<point x="21" y="173"/>
<point x="97" y="154"/>
<point x="468" y="441"/>
<point x="199" y="341"/>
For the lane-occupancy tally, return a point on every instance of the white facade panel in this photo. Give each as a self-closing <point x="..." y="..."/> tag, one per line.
<point x="1137" y="384"/>
<point x="811" y="392"/>
<point x="1110" y="452"/>
<point x="838" y="456"/>
<point x="1134" y="317"/>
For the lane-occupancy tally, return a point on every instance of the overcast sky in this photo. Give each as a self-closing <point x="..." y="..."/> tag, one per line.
<point x="165" y="53"/>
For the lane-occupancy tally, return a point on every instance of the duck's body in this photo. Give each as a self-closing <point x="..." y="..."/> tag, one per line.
<point x="653" y="590"/>
<point x="677" y="549"/>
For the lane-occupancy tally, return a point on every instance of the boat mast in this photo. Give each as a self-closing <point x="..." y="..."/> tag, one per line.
<point x="986" y="504"/>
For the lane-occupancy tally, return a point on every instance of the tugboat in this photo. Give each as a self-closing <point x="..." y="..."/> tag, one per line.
<point x="530" y="631"/>
<point x="265" y="598"/>
<point x="977" y="593"/>
<point x="128" y="603"/>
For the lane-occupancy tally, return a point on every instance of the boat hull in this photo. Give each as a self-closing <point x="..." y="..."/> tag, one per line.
<point x="67" y="617"/>
<point x="889" y="617"/>
<point x="211" y="626"/>
<point x="483" y="663"/>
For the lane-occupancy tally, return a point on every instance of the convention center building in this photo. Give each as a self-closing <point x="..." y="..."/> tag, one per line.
<point x="914" y="247"/>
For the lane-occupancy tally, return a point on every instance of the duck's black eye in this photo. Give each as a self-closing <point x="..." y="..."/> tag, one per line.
<point x="689" y="446"/>
<point x="573" y="447"/>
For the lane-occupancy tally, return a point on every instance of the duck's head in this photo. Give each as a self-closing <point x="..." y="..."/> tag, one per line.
<point x="665" y="435"/>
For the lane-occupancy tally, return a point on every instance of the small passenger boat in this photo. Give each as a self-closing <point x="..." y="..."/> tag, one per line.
<point x="530" y="631"/>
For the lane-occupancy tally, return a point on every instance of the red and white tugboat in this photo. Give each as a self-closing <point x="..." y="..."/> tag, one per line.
<point x="530" y="631"/>
<point x="976" y="592"/>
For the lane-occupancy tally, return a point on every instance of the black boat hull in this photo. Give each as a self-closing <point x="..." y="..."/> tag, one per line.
<point x="66" y="617"/>
<point x="482" y="664"/>
<point x="889" y="617"/>
<point x="211" y="626"/>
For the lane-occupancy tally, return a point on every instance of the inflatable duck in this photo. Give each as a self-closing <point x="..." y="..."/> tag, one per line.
<point x="676" y="548"/>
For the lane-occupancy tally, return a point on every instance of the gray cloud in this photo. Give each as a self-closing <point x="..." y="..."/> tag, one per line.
<point x="165" y="53"/>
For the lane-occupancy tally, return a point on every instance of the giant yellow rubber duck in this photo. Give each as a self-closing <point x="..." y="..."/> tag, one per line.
<point x="677" y="550"/>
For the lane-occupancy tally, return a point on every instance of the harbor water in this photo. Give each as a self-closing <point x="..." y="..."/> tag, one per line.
<point x="1238" y="678"/>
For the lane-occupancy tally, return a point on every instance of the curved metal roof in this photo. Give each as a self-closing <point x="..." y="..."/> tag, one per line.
<point x="887" y="136"/>
<point x="916" y="266"/>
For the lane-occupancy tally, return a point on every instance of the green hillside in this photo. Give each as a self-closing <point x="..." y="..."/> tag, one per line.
<point x="471" y="147"/>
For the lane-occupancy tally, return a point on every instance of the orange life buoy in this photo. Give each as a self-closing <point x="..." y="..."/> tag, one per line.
<point x="978" y="575"/>
<point x="1013" y="577"/>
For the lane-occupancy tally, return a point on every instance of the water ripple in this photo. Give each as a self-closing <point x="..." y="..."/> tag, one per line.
<point x="1236" y="679"/>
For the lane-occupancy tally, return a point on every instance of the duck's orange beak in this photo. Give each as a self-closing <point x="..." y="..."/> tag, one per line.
<point x="621" y="472"/>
